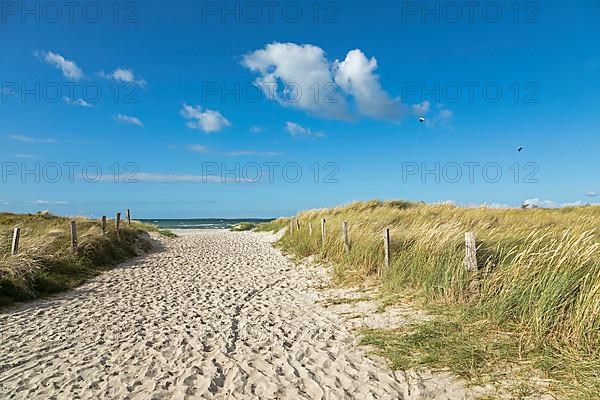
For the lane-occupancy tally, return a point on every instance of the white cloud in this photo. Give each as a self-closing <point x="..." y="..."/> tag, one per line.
<point x="28" y="139"/>
<point x="256" y="129"/>
<point x="241" y="153"/>
<point x="301" y="132"/>
<point x="69" y="68"/>
<point x="421" y="109"/>
<point x="178" y="178"/>
<point x="531" y="203"/>
<point x="208" y="121"/>
<point x="77" y="102"/>
<point x="126" y="119"/>
<point x="591" y="194"/>
<point x="300" y="76"/>
<point x="356" y="76"/>
<point x="441" y="116"/>
<point x="48" y="202"/>
<point x="124" y="75"/>
<point x="197" y="148"/>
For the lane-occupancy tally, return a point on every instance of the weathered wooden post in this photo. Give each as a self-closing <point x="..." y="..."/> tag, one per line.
<point x="471" y="263"/>
<point x="74" y="236"/>
<point x="309" y="228"/>
<point x="118" y="225"/>
<point x="471" y="253"/>
<point x="298" y="225"/>
<point x="345" y="236"/>
<point x="103" y="225"/>
<point x="291" y="226"/>
<point x="323" y="233"/>
<point x="128" y="214"/>
<point x="386" y="247"/>
<point x="15" y="241"/>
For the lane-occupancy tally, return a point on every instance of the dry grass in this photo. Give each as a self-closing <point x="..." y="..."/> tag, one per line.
<point x="46" y="264"/>
<point x="539" y="269"/>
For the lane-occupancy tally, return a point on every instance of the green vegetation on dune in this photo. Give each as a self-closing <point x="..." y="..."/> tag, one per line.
<point x="243" y="226"/>
<point x="45" y="263"/>
<point x="539" y="282"/>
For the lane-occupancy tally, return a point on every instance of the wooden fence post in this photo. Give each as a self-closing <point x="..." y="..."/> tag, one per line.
<point x="345" y="236"/>
<point x="74" y="236"/>
<point x="103" y="224"/>
<point x="291" y="226"/>
<point x="15" y="241"/>
<point x="471" y="253"/>
<point x="309" y="228"/>
<point x="323" y="233"/>
<point x="128" y="214"/>
<point x="386" y="247"/>
<point x="298" y="225"/>
<point x="118" y="225"/>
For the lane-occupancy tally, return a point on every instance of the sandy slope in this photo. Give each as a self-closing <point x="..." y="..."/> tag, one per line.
<point x="214" y="315"/>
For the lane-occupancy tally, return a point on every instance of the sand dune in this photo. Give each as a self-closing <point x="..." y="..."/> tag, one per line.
<point x="214" y="314"/>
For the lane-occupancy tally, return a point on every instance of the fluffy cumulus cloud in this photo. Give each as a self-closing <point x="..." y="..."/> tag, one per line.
<point x="356" y="77"/>
<point x="123" y="75"/>
<point x="301" y="76"/>
<point x="208" y="121"/>
<point x="298" y="131"/>
<point x="69" y="68"/>
<point x="126" y="119"/>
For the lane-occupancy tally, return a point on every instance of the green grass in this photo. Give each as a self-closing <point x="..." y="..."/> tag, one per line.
<point x="539" y="280"/>
<point x="243" y="226"/>
<point x="273" y="226"/>
<point x="46" y="264"/>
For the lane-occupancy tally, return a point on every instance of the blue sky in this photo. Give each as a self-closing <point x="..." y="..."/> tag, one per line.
<point x="152" y="87"/>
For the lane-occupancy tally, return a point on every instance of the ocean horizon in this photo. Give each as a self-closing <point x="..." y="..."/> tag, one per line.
<point x="201" y="223"/>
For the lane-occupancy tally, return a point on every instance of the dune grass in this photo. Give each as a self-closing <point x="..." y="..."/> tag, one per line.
<point x="46" y="264"/>
<point x="243" y="226"/>
<point x="539" y="280"/>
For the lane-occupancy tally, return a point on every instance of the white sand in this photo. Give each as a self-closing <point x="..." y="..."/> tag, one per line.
<point x="214" y="315"/>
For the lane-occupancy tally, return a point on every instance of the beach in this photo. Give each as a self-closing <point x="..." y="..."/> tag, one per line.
<point x="210" y="314"/>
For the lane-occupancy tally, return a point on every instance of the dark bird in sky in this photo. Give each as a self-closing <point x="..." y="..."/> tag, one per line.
<point x="520" y="148"/>
<point x="421" y="119"/>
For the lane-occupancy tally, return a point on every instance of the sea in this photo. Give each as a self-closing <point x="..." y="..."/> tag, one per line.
<point x="201" y="223"/>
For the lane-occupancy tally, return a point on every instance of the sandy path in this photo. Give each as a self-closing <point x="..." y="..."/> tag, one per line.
<point x="215" y="315"/>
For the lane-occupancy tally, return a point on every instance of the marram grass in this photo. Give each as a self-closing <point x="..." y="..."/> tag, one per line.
<point x="45" y="263"/>
<point x="539" y="268"/>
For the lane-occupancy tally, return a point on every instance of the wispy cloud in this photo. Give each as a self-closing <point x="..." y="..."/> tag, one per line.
<point x="48" y="202"/>
<point x="126" y="119"/>
<point x="439" y="116"/>
<point x="209" y="121"/>
<point x="591" y="194"/>
<point x="28" y="139"/>
<point x="148" y="177"/>
<point x="124" y="75"/>
<point x="68" y="68"/>
<point x="197" y="148"/>
<point x="77" y="102"/>
<point x="299" y="131"/>
<point x="241" y="153"/>
<point x="256" y="129"/>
